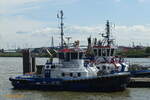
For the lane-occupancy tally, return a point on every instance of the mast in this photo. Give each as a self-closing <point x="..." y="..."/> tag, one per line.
<point x="61" y="27"/>
<point x="108" y="33"/>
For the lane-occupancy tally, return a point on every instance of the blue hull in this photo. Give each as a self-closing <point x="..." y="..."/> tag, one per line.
<point x="105" y="83"/>
<point x="140" y="73"/>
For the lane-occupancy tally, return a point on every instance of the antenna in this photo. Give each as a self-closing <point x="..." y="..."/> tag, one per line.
<point x="107" y="40"/>
<point x="68" y="38"/>
<point x="60" y="17"/>
<point x="52" y="42"/>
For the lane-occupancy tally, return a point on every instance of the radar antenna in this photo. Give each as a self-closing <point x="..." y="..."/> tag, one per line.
<point x="60" y="17"/>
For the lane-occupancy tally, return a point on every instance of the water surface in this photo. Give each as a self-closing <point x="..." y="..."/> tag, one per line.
<point x="13" y="66"/>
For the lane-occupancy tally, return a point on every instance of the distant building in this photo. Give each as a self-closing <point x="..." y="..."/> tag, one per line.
<point x="126" y="49"/>
<point x="1" y="50"/>
<point x="10" y="50"/>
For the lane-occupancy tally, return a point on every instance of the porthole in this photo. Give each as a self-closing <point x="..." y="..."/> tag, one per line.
<point x="79" y="74"/>
<point x="53" y="66"/>
<point x="47" y="66"/>
<point x="104" y="67"/>
<point x="71" y="74"/>
<point x="63" y="74"/>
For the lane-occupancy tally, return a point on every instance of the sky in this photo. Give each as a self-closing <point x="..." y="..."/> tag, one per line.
<point x="32" y="23"/>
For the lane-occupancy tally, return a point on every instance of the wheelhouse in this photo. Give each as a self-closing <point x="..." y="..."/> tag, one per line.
<point x="104" y="51"/>
<point x="70" y="54"/>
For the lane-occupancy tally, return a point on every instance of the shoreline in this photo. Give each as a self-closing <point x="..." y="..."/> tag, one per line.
<point x="19" y="54"/>
<point x="43" y="56"/>
<point x="14" y="54"/>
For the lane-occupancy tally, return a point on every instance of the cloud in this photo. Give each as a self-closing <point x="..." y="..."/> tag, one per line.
<point x="136" y="33"/>
<point x="24" y="32"/>
<point x="20" y="30"/>
<point x="12" y="27"/>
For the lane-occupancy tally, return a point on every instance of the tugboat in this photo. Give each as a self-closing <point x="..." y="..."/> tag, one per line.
<point x="71" y="73"/>
<point x="104" y="53"/>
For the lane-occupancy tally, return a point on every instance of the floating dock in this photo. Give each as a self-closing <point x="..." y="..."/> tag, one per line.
<point x="140" y="82"/>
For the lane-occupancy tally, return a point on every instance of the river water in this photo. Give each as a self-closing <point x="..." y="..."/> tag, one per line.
<point x="13" y="66"/>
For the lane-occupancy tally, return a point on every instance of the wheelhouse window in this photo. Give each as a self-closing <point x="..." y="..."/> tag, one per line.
<point x="112" y="52"/>
<point x="61" y="55"/>
<point x="74" y="55"/>
<point x="80" y="55"/>
<point x="108" y="52"/>
<point x="104" y="52"/>
<point x="99" y="52"/>
<point x="95" y="52"/>
<point x="67" y="57"/>
<point x="71" y="55"/>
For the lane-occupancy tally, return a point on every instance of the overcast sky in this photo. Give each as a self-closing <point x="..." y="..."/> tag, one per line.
<point x="31" y="23"/>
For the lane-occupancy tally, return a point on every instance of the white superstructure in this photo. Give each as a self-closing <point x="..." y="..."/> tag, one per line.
<point x="71" y="65"/>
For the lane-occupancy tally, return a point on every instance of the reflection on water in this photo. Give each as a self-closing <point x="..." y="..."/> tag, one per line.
<point x="13" y="66"/>
<point x="64" y="95"/>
